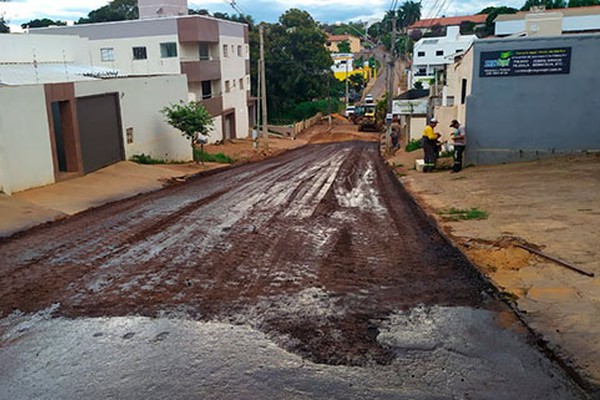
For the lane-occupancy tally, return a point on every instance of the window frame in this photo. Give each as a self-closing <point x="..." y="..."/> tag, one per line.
<point x="168" y="50"/>
<point x="107" y="54"/>
<point x="145" y="52"/>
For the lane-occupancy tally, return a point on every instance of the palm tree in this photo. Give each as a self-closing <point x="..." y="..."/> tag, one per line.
<point x="411" y="12"/>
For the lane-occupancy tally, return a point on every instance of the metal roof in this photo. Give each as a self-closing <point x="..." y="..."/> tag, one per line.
<point x="14" y="74"/>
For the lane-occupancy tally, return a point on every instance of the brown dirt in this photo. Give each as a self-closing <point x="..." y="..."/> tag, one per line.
<point x="315" y="247"/>
<point x="551" y="205"/>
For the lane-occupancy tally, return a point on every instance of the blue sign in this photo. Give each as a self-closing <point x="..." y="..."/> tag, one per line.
<point x="525" y="62"/>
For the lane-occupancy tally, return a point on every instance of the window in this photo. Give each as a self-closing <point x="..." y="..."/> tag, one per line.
<point x="227" y="87"/>
<point x="239" y="50"/>
<point x="168" y="50"/>
<point x="203" y="51"/>
<point x="459" y="50"/>
<point x="107" y="54"/>
<point x="225" y="50"/>
<point x="421" y="54"/>
<point x="140" y="53"/>
<point x="439" y="52"/>
<point x="450" y="101"/>
<point x="241" y="83"/>
<point x="206" y="90"/>
<point x="422" y="71"/>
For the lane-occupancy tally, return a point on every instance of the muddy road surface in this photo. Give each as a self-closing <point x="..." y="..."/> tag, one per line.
<point x="309" y="275"/>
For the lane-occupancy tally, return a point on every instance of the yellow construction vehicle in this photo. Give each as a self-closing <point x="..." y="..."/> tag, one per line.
<point x="365" y="117"/>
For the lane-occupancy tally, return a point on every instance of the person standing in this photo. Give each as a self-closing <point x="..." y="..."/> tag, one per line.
<point x="430" y="145"/>
<point x="395" y="134"/>
<point x="459" y="137"/>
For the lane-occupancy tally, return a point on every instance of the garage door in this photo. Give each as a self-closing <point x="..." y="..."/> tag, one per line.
<point x="100" y="131"/>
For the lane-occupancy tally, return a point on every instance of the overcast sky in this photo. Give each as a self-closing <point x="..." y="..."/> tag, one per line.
<point x="326" y="11"/>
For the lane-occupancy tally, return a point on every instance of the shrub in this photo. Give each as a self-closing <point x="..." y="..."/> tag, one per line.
<point x="217" y="157"/>
<point x="413" y="145"/>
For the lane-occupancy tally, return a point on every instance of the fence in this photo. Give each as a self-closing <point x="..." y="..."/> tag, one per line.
<point x="301" y="126"/>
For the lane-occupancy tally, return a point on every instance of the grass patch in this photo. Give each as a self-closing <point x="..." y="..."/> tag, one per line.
<point x="413" y="145"/>
<point x="455" y="214"/>
<point x="148" y="160"/>
<point x="208" y="157"/>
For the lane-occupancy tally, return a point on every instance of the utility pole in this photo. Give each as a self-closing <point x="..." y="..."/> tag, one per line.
<point x="390" y="82"/>
<point x="347" y="95"/>
<point x="263" y="91"/>
<point x="392" y="65"/>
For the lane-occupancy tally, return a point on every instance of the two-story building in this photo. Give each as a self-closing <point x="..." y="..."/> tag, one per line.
<point x="432" y="54"/>
<point x="214" y="54"/>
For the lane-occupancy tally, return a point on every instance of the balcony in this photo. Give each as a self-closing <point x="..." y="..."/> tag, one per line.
<point x="214" y="105"/>
<point x="201" y="70"/>
<point x="197" y="29"/>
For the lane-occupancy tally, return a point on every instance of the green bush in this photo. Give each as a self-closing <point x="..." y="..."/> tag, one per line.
<point x="413" y="145"/>
<point x="208" y="157"/>
<point x="148" y="160"/>
<point x="310" y="108"/>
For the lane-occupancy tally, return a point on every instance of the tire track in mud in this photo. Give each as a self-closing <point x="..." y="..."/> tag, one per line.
<point x="315" y="247"/>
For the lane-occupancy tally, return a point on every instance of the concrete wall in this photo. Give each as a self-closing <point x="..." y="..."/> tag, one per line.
<point x="141" y="100"/>
<point x="25" y="149"/>
<point x="233" y="68"/>
<point x="23" y="48"/>
<point x="517" y="118"/>
<point x="123" y="55"/>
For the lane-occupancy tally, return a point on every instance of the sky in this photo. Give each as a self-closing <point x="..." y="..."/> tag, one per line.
<point x="325" y="11"/>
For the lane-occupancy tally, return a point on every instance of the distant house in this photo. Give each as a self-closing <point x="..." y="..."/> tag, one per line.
<point x="553" y="22"/>
<point x="334" y="40"/>
<point x="425" y="25"/>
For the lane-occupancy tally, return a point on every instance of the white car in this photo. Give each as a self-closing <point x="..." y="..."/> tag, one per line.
<point x="369" y="98"/>
<point x="350" y="111"/>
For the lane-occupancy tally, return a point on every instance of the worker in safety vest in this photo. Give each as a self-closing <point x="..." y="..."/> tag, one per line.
<point x="430" y="145"/>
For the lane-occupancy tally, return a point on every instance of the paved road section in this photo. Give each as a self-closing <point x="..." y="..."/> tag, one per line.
<point x="310" y="275"/>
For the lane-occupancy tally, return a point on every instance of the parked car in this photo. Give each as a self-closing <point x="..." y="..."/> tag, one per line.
<point x="369" y="98"/>
<point x="350" y="111"/>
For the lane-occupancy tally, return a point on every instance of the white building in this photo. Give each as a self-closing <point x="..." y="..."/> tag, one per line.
<point x="433" y="53"/>
<point x="214" y="55"/>
<point x="549" y="22"/>
<point x="61" y="117"/>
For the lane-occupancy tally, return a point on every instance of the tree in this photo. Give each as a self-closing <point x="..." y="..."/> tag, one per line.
<point x="344" y="47"/>
<point x="296" y="60"/>
<point x="549" y="4"/>
<point x="411" y="13"/>
<point x="42" y="23"/>
<point x="492" y="14"/>
<point x="583" y="3"/>
<point x="4" y="28"/>
<point x="116" y="10"/>
<point x="190" y="118"/>
<point x="201" y="11"/>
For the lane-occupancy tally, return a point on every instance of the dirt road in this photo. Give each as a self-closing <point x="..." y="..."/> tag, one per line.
<point x="320" y="249"/>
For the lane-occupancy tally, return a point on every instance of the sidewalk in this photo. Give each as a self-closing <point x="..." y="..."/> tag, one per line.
<point x="551" y="205"/>
<point x="29" y="208"/>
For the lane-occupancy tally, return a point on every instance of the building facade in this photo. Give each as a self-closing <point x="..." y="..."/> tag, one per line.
<point x="62" y="118"/>
<point x="334" y="40"/>
<point x="213" y="54"/>
<point x="431" y="55"/>
<point x="533" y="97"/>
<point x="553" y="22"/>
